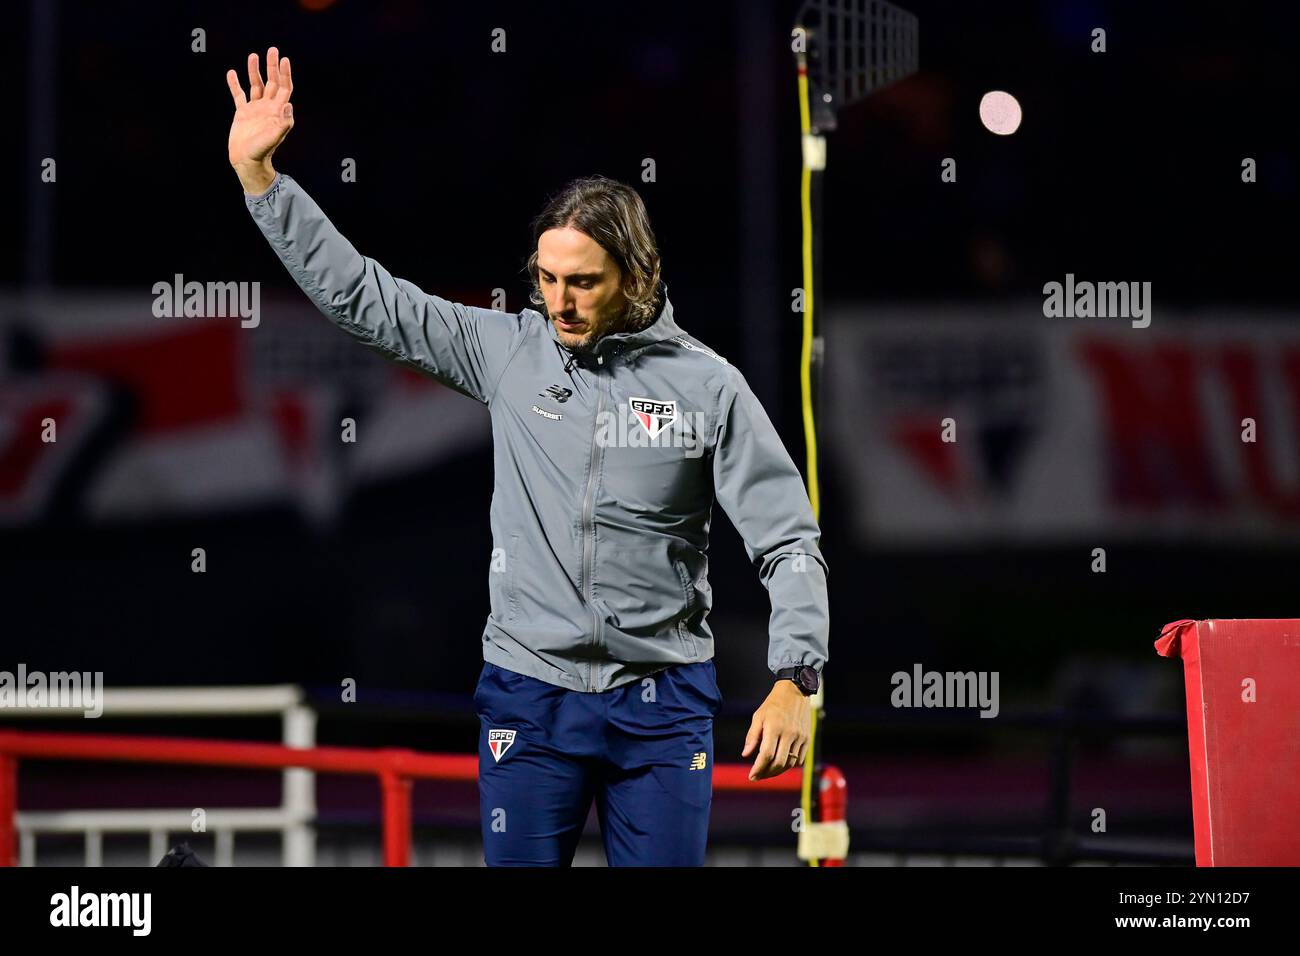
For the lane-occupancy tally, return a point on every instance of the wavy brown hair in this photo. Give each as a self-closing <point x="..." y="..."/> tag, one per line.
<point x="614" y="216"/>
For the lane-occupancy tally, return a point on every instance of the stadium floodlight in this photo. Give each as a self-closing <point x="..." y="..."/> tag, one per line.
<point x="845" y="50"/>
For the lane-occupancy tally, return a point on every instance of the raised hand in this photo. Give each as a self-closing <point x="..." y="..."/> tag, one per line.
<point x="262" y="120"/>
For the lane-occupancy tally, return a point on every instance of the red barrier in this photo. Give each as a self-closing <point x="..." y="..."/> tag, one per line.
<point x="8" y="808"/>
<point x="1243" y="707"/>
<point x="834" y="801"/>
<point x="394" y="769"/>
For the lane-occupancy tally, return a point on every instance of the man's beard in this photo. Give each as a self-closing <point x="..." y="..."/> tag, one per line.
<point x="584" y="349"/>
<point x="590" y="337"/>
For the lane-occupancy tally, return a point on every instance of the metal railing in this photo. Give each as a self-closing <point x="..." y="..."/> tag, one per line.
<point x="394" y="769"/>
<point x="292" y="819"/>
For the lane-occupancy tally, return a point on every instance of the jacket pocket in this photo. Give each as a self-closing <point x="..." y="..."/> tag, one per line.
<point x="503" y="580"/>
<point x="688" y="586"/>
<point x="512" y="571"/>
<point x="640" y="588"/>
<point x="688" y="597"/>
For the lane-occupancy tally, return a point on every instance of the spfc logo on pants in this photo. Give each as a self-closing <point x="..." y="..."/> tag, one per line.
<point x="653" y="414"/>
<point x="499" y="742"/>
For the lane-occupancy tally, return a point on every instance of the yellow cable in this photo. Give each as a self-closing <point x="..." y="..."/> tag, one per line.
<point x="805" y="382"/>
<point x="805" y="362"/>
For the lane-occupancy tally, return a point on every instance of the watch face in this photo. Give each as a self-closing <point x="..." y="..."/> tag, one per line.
<point x="806" y="678"/>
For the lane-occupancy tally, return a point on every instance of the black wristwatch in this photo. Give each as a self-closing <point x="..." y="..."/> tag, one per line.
<point x="805" y="678"/>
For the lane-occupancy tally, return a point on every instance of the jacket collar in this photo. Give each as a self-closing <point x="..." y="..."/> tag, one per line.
<point x="663" y="327"/>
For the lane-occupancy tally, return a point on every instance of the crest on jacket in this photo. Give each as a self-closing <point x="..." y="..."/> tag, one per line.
<point x="654" y="414"/>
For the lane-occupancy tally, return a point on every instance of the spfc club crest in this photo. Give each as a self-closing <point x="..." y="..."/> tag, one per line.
<point x="499" y="742"/>
<point x="653" y="414"/>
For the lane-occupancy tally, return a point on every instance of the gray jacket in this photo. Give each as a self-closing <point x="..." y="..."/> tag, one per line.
<point x="607" y="465"/>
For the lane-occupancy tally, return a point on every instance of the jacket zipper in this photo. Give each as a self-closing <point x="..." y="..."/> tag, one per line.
<point x="588" y="524"/>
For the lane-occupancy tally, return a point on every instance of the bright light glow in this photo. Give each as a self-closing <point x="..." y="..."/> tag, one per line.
<point x="1000" y="112"/>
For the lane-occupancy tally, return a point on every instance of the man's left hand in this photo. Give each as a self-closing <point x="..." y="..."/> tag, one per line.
<point x="781" y="730"/>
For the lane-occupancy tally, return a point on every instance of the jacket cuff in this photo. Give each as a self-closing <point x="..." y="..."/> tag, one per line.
<point x="793" y="664"/>
<point x="259" y="197"/>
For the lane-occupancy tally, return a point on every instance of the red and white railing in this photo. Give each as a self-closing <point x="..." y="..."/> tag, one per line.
<point x="394" y="771"/>
<point x="292" y="819"/>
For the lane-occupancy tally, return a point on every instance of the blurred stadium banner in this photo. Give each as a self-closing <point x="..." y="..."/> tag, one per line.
<point x="1063" y="428"/>
<point x="170" y="416"/>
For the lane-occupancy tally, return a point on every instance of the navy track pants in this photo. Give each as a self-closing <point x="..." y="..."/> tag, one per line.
<point x="644" y="751"/>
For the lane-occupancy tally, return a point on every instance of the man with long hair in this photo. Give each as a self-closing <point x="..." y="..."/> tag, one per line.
<point x="613" y="433"/>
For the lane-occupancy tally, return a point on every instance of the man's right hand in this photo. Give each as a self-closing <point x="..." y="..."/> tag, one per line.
<point x="262" y="120"/>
